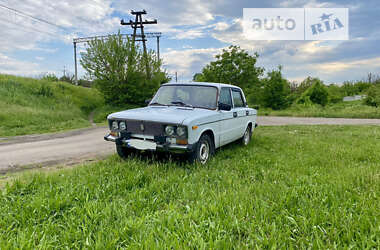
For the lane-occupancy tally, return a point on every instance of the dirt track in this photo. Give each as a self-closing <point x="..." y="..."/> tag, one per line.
<point x="19" y="153"/>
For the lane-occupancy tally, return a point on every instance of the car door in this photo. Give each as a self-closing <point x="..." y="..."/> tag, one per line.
<point x="239" y="113"/>
<point x="226" y="134"/>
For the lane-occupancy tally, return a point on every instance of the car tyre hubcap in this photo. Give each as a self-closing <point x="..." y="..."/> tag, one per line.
<point x="204" y="152"/>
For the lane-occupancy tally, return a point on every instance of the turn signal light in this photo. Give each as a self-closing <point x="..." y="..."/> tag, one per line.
<point x="194" y="127"/>
<point x="181" y="141"/>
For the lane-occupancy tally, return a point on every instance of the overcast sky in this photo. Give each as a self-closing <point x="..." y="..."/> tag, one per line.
<point x="193" y="32"/>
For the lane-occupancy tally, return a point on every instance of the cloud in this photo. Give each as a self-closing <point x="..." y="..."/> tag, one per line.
<point x="189" y="61"/>
<point x="15" y="67"/>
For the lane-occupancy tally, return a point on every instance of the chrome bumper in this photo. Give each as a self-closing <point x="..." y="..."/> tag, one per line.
<point x="166" y="147"/>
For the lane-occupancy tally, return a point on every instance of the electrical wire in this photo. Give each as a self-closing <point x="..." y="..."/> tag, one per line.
<point x="28" y="28"/>
<point x="30" y="16"/>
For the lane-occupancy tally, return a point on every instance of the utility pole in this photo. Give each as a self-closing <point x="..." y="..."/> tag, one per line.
<point x="75" y="61"/>
<point x="176" y="76"/>
<point x="64" y="71"/>
<point x="139" y="24"/>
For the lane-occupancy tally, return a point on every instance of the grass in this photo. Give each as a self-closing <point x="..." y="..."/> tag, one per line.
<point x="354" y="109"/>
<point x="29" y="106"/>
<point x="101" y="113"/>
<point x="292" y="187"/>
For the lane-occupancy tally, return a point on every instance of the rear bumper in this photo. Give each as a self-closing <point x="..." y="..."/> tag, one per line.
<point x="165" y="147"/>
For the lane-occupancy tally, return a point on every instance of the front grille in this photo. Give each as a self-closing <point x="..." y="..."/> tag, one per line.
<point x="149" y="128"/>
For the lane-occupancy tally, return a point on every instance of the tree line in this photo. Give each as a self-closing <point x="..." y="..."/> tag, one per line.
<point x="236" y="66"/>
<point x="117" y="67"/>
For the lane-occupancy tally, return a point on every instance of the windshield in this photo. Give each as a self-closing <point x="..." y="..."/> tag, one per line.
<point x="186" y="95"/>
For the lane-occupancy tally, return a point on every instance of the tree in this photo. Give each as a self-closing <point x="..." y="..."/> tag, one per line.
<point x="276" y="90"/>
<point x="118" y="69"/>
<point x="316" y="94"/>
<point x="233" y="66"/>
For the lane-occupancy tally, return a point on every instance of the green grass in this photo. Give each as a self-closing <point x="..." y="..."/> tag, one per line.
<point x="354" y="109"/>
<point x="30" y="106"/>
<point x="101" y="113"/>
<point x="293" y="187"/>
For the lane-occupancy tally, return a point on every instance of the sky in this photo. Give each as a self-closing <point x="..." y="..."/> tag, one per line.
<point x="37" y="38"/>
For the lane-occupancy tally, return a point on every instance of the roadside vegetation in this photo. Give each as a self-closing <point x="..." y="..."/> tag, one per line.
<point x="29" y="106"/>
<point x="275" y="95"/>
<point x="355" y="109"/>
<point x="292" y="187"/>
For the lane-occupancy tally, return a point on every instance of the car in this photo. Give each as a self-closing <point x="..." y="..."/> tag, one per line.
<point x="193" y="118"/>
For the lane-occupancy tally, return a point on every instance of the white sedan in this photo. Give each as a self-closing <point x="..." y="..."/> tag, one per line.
<point x="193" y="118"/>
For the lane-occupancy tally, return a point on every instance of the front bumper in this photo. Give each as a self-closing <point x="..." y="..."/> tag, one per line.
<point x="160" y="144"/>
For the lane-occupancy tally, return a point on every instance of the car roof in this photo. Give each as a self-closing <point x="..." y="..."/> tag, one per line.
<point x="213" y="84"/>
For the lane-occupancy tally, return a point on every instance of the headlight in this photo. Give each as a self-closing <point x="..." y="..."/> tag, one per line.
<point x="122" y="126"/>
<point x="169" y="130"/>
<point x="181" y="131"/>
<point x="115" y="125"/>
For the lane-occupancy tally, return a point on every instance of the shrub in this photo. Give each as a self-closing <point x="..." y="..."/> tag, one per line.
<point x="316" y="94"/>
<point x="373" y="96"/>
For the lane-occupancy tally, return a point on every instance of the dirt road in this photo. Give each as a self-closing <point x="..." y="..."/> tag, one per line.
<point x="19" y="153"/>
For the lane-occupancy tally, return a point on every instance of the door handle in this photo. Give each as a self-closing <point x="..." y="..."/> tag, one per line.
<point x="235" y="114"/>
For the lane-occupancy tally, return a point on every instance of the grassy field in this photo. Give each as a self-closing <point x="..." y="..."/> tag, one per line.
<point x="354" y="109"/>
<point x="30" y="106"/>
<point x="292" y="187"/>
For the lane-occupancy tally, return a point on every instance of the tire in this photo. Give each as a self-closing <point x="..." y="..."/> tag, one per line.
<point x="123" y="152"/>
<point x="203" y="151"/>
<point x="246" y="137"/>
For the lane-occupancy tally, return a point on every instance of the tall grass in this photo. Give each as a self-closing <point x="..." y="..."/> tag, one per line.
<point x="35" y="106"/>
<point x="354" y="109"/>
<point x="293" y="187"/>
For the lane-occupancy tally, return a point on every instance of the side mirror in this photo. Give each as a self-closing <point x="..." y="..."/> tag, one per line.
<point x="147" y="101"/>
<point x="225" y="107"/>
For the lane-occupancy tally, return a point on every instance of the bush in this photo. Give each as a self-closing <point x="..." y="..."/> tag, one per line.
<point x="50" y="77"/>
<point x="316" y="94"/>
<point x="373" y="96"/>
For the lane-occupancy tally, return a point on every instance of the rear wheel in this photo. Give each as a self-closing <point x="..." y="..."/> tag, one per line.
<point x="203" y="151"/>
<point x="123" y="152"/>
<point x="247" y="136"/>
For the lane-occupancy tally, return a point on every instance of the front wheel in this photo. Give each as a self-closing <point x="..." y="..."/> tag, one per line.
<point x="123" y="152"/>
<point x="203" y="151"/>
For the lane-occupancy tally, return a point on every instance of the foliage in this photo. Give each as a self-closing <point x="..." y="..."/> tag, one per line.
<point x="50" y="77"/>
<point x="38" y="106"/>
<point x="316" y="94"/>
<point x="355" y="109"/>
<point x="373" y="96"/>
<point x="294" y="187"/>
<point x="276" y="90"/>
<point x="233" y="66"/>
<point x="121" y="71"/>
<point x="355" y="88"/>
<point x="335" y="93"/>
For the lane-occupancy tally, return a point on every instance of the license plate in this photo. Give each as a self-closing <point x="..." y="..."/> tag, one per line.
<point x="142" y="144"/>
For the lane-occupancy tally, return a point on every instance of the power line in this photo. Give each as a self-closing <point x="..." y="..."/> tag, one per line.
<point x="30" y="16"/>
<point x="28" y="28"/>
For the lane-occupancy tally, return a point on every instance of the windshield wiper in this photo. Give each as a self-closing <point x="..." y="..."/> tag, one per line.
<point x="182" y="104"/>
<point x="157" y="103"/>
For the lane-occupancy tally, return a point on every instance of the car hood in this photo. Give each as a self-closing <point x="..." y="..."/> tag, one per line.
<point x="171" y="114"/>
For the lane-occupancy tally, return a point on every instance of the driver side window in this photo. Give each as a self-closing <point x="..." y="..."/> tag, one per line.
<point x="225" y="96"/>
